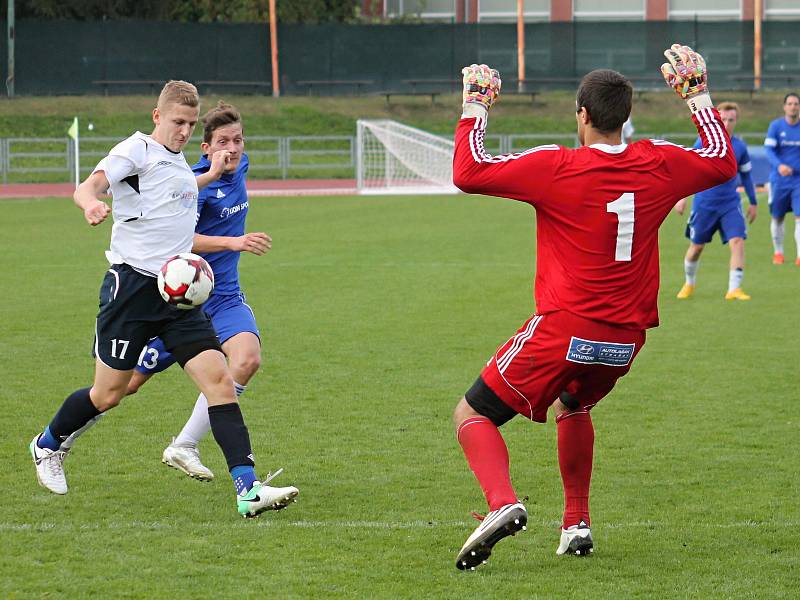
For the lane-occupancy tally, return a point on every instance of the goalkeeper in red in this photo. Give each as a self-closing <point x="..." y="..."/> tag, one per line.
<point x="598" y="210"/>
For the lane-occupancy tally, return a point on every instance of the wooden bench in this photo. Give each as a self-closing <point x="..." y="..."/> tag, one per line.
<point x="154" y="84"/>
<point x="311" y="84"/>
<point x="388" y="95"/>
<point x="789" y="78"/>
<point x="255" y="85"/>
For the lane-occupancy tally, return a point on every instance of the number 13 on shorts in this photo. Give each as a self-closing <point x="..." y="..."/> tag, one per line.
<point x="623" y="207"/>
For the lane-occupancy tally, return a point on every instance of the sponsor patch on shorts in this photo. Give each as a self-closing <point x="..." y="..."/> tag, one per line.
<point x="599" y="353"/>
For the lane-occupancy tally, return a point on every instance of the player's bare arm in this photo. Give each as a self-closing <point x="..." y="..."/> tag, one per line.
<point x="87" y="198"/>
<point x="256" y="243"/>
<point x="219" y="162"/>
<point x="680" y="206"/>
<point x="785" y="170"/>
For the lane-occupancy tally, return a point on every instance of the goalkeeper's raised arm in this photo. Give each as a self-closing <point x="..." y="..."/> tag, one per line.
<point x="475" y="170"/>
<point x="695" y="170"/>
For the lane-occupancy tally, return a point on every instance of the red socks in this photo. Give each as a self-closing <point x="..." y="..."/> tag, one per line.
<point x="487" y="456"/>
<point x="575" y="447"/>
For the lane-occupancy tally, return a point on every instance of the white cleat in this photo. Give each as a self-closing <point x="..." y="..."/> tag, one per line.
<point x="263" y="497"/>
<point x="506" y="520"/>
<point x="49" y="467"/>
<point x="577" y="540"/>
<point x="186" y="458"/>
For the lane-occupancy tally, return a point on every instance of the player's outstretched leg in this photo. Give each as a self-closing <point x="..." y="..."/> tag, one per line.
<point x="506" y="520"/>
<point x="797" y="240"/>
<point x="49" y="466"/>
<point x="48" y="457"/>
<point x="262" y="497"/>
<point x="776" y="227"/>
<point x="185" y="457"/>
<point x="736" y="275"/>
<point x="487" y="455"/>
<point x="577" y="540"/>
<point x="209" y="371"/>
<point x="575" y="454"/>
<point x="690" y="264"/>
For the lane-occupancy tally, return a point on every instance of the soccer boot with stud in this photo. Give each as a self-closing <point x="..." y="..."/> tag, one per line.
<point x="262" y="497"/>
<point x="498" y="524"/>
<point x="49" y="467"/>
<point x="737" y="294"/>
<point x="186" y="458"/>
<point x="686" y="292"/>
<point x="777" y="258"/>
<point x="577" y="540"/>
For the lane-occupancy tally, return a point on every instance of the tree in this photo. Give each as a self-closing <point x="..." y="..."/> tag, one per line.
<point x="254" y="11"/>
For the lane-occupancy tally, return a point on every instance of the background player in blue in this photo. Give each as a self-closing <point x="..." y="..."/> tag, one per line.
<point x="219" y="237"/>
<point x="783" y="151"/>
<point x="720" y="209"/>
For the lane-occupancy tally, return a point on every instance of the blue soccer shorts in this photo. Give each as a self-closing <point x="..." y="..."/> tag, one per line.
<point x="230" y="315"/>
<point x="784" y="196"/>
<point x="704" y="223"/>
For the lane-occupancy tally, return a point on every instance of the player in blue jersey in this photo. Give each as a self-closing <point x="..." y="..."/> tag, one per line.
<point x="720" y="209"/>
<point x="782" y="145"/>
<point x="220" y="237"/>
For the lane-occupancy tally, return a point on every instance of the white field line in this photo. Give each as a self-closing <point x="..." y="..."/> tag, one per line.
<point x="378" y="525"/>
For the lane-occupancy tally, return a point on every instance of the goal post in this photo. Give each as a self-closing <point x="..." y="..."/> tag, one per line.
<point x="392" y="158"/>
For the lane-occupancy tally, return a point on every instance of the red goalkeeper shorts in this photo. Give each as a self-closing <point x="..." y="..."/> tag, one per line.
<point x="560" y="352"/>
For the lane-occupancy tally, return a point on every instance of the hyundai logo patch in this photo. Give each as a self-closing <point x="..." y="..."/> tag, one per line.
<point x="589" y="352"/>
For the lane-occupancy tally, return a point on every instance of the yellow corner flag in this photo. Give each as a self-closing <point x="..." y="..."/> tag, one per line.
<point x="73" y="129"/>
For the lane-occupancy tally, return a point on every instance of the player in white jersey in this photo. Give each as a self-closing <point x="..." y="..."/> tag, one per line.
<point x="154" y="211"/>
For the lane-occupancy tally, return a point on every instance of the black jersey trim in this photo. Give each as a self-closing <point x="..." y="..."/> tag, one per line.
<point x="133" y="181"/>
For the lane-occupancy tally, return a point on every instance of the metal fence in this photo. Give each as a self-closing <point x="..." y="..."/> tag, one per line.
<point x="38" y="160"/>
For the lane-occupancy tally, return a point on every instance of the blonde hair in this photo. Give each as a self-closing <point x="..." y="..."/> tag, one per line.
<point x="178" y="92"/>
<point x="728" y="106"/>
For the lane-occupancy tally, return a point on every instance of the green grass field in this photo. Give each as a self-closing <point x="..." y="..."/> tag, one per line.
<point x="377" y="313"/>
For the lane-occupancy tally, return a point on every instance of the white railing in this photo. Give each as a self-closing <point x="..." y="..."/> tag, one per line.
<point x="24" y="160"/>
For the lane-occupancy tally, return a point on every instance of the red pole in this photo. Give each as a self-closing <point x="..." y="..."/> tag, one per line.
<point x="520" y="48"/>
<point x="273" y="46"/>
<point x="758" y="12"/>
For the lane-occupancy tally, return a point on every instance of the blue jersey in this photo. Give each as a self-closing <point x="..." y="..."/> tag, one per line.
<point x="723" y="197"/>
<point x="221" y="211"/>
<point x="782" y="145"/>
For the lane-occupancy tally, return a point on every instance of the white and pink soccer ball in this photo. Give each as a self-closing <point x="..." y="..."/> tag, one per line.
<point x="186" y="280"/>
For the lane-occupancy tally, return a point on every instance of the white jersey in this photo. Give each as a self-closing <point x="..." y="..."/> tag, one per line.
<point x="155" y="203"/>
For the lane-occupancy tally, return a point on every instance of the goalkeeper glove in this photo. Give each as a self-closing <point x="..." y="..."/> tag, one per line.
<point x="481" y="85"/>
<point x="686" y="74"/>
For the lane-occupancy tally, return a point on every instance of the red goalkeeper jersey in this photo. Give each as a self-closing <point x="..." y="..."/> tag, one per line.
<point x="598" y="210"/>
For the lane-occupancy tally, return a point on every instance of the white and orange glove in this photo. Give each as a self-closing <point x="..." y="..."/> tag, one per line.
<point x="481" y="89"/>
<point x="686" y="74"/>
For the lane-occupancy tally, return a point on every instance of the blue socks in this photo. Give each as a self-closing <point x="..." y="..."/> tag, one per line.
<point x="243" y="478"/>
<point x="48" y="440"/>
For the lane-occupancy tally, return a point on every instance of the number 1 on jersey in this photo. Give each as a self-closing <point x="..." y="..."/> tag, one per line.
<point x="623" y="207"/>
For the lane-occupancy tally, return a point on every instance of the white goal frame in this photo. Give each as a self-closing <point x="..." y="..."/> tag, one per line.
<point x="392" y="158"/>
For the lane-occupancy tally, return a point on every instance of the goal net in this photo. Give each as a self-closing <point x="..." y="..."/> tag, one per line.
<point x="393" y="158"/>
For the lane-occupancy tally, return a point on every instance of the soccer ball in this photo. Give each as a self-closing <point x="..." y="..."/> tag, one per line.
<point x="186" y="280"/>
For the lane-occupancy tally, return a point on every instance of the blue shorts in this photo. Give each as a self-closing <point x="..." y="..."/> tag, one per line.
<point x="230" y="315"/>
<point x="784" y="196"/>
<point x="703" y="223"/>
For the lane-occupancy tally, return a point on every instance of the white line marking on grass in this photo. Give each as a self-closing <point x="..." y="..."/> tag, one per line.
<point x="388" y="525"/>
